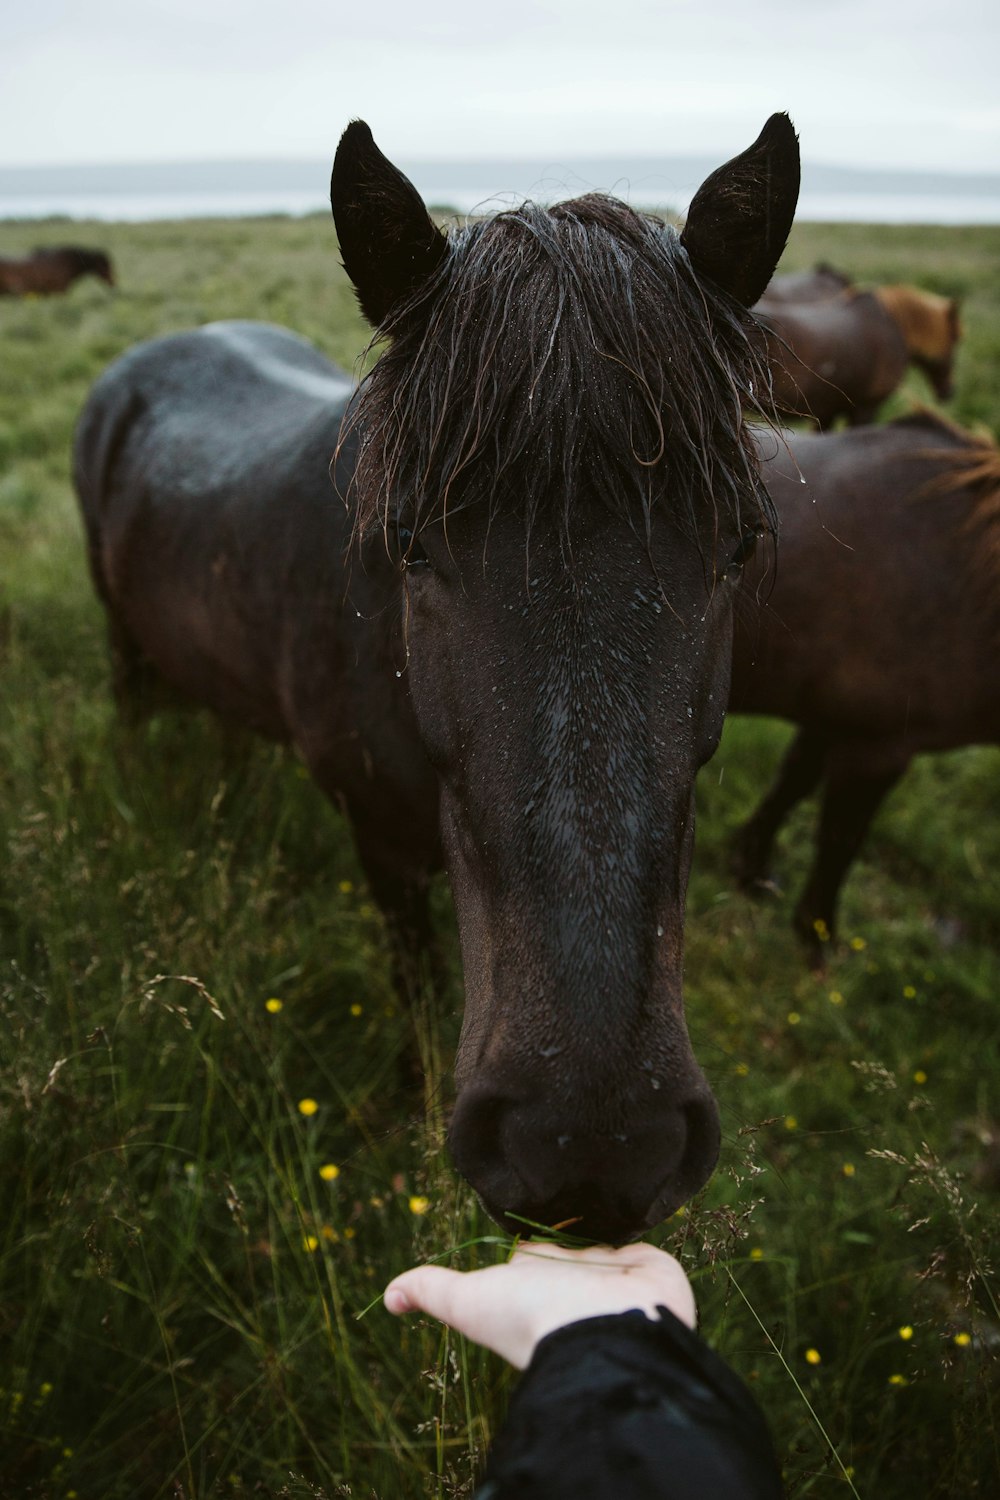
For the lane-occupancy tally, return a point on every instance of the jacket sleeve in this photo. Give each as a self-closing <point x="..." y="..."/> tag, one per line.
<point x="626" y="1408"/>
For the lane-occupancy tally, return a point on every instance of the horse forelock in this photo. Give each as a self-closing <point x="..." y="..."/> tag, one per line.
<point x="561" y="352"/>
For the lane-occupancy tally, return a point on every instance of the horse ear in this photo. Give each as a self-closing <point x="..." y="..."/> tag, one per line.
<point x="739" y="218"/>
<point x="388" y="241"/>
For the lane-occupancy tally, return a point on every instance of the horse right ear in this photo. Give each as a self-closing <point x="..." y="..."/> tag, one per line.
<point x="388" y="242"/>
<point x="739" y="218"/>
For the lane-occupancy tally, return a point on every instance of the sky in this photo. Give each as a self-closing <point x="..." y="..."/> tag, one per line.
<point x="878" y="83"/>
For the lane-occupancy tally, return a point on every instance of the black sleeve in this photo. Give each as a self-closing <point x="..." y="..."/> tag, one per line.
<point x="626" y="1408"/>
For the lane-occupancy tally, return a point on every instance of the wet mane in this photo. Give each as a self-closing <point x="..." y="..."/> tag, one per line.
<point x="560" y="351"/>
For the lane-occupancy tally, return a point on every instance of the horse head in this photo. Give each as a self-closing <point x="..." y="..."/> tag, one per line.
<point x="931" y="327"/>
<point x="552" y="455"/>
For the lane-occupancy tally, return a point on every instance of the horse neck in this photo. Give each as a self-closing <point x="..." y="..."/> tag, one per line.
<point x="922" y="319"/>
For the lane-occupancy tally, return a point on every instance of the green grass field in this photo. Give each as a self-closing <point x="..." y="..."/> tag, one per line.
<point x="188" y="957"/>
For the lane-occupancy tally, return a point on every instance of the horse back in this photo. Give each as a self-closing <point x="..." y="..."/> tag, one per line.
<point x="843" y="355"/>
<point x="882" y="616"/>
<point x="201" y="462"/>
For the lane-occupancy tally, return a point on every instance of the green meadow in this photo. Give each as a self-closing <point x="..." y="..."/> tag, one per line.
<point x="210" y="1160"/>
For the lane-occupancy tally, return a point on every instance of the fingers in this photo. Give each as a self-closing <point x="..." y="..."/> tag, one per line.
<point x="429" y="1289"/>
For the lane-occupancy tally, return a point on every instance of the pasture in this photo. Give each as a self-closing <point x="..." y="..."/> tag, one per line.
<point x="212" y="1160"/>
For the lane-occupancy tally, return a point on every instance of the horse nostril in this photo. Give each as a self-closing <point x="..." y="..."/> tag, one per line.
<point x="611" y="1185"/>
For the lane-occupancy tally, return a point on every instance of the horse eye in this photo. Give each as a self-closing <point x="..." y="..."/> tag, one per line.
<point x="411" y="553"/>
<point x="746" y="549"/>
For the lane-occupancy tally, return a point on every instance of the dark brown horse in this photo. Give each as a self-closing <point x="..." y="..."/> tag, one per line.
<point x="506" y="646"/>
<point x="817" y="285"/>
<point x="844" y="355"/>
<point x="52" y="269"/>
<point x="876" y="635"/>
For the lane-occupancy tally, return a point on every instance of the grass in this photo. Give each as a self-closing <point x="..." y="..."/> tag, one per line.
<point x="180" y="1279"/>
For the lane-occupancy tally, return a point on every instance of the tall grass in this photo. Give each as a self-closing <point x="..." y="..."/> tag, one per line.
<point x="201" y="1188"/>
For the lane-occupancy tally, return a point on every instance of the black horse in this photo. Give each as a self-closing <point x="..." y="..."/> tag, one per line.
<point x="508" y="651"/>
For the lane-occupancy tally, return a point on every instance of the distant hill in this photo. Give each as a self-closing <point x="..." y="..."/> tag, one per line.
<point x="676" y="176"/>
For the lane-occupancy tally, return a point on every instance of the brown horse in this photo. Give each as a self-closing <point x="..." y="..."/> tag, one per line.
<point x="845" y="355"/>
<point x="805" y="286"/>
<point x="850" y="640"/>
<point x="51" y="269"/>
<point x="506" y="647"/>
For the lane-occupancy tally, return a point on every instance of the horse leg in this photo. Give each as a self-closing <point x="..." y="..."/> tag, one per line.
<point x="855" y="788"/>
<point x="800" y="773"/>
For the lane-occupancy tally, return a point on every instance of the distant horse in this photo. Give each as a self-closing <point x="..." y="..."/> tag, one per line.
<point x="876" y="634"/>
<point x="506" y="647"/>
<point x="805" y="286"/>
<point x="845" y="355"/>
<point x="52" y="269"/>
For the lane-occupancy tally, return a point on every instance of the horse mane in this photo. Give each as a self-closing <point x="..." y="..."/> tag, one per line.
<point x="927" y="321"/>
<point x="970" y="470"/>
<point x="556" y="351"/>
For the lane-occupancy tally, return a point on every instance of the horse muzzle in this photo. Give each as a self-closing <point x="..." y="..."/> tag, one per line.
<point x="534" y="1165"/>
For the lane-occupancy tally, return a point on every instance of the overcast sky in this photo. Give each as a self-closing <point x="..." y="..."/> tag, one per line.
<point x="902" y="83"/>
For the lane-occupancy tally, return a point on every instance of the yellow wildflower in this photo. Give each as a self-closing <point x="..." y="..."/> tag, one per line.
<point x="906" y="1333"/>
<point x="741" y="1070"/>
<point x="274" y="1005"/>
<point x="791" y="1123"/>
<point x="836" y="998"/>
<point x="356" y="1009"/>
<point x="756" y="1253"/>
<point x="848" y="1169"/>
<point x="794" y="1018"/>
<point x="345" y="887"/>
<point x="909" y="992"/>
<point x="821" y="930"/>
<point x="308" y="1107"/>
<point x="329" y="1171"/>
<point x="858" y="944"/>
<point x="310" y="1243"/>
<point x="813" y="1357"/>
<point x="963" y="1340"/>
<point x="898" y="1380"/>
<point x="419" y="1204"/>
<point x="920" y="1076"/>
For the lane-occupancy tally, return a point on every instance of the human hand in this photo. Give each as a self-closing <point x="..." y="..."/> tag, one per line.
<point x="510" y="1307"/>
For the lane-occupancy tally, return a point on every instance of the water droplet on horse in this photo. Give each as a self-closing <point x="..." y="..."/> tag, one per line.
<point x="399" y="674"/>
<point x="690" y="712"/>
<point x="654" y="1083"/>
<point x="659" y="932"/>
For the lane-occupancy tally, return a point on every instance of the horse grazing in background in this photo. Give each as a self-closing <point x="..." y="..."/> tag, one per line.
<point x="505" y="647"/>
<point x="804" y="286"/>
<point x="876" y="635"/>
<point x="844" y="355"/>
<point x="51" y="269"/>
<point x="931" y="329"/>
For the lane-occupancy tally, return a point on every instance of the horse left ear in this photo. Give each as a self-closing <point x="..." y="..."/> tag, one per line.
<point x="739" y="218"/>
<point x="388" y="241"/>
